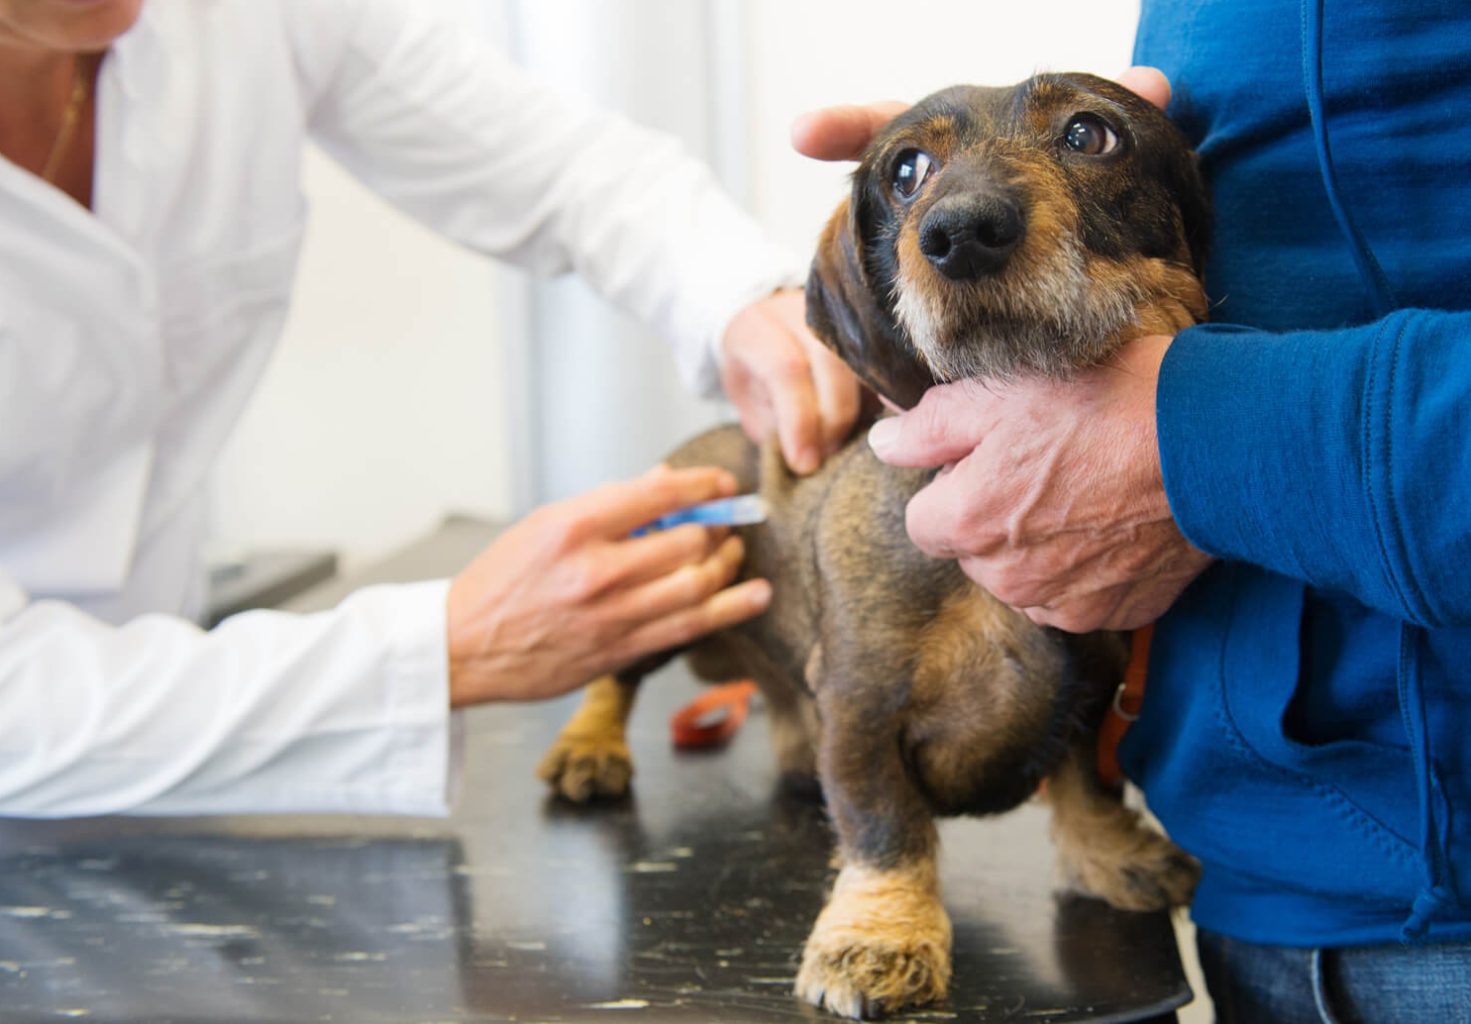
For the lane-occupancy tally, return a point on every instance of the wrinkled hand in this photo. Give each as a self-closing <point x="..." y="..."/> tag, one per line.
<point x="565" y="595"/>
<point x="1051" y="496"/>
<point x="782" y="379"/>
<point x="842" y="133"/>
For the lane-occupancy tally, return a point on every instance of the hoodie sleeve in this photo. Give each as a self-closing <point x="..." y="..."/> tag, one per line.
<point x="1341" y="458"/>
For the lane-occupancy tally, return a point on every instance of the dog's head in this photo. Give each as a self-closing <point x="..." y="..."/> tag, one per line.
<point x="997" y="232"/>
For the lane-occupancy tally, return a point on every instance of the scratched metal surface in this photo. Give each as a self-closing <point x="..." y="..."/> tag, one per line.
<point x="687" y="902"/>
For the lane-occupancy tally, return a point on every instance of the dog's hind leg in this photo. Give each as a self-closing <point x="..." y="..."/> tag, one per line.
<point x="1108" y="850"/>
<point x="590" y="757"/>
<point x="882" y="942"/>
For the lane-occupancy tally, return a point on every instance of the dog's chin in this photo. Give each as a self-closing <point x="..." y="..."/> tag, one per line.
<point x="967" y="337"/>
<point x="998" y="330"/>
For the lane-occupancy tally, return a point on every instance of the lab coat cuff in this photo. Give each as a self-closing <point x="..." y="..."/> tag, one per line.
<point x="701" y="369"/>
<point x="424" y="756"/>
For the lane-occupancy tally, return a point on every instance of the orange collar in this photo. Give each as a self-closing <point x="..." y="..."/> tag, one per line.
<point x="1127" y="700"/>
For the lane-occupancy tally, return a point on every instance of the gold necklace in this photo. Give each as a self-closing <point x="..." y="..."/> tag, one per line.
<point x="69" y="119"/>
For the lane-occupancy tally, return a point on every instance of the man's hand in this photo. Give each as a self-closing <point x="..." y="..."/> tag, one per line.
<point x="782" y="379"/>
<point x="565" y="595"/>
<point x="1051" y="496"/>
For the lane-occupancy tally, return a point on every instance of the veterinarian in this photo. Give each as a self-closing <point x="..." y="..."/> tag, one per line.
<point x="150" y="222"/>
<point x="1287" y="490"/>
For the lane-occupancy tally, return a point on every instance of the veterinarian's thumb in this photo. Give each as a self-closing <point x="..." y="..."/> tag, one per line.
<point x="941" y="429"/>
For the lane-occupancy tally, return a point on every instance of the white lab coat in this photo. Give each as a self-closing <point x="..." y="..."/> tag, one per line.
<point x="131" y="338"/>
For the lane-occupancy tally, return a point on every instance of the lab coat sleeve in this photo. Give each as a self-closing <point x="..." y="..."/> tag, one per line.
<point x="342" y="711"/>
<point x="1340" y="457"/>
<point x="451" y="132"/>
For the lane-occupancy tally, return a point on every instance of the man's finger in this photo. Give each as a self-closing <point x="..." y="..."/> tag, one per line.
<point x="1149" y="83"/>
<point x="841" y="133"/>
<point x="944" y="427"/>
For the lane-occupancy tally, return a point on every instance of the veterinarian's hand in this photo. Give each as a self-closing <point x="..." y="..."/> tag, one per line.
<point x="1051" y="494"/>
<point x="782" y="379"/>
<point x="841" y="133"/>
<point x="565" y="595"/>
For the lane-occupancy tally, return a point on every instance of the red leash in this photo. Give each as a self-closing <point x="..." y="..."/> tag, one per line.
<point x="713" y="717"/>
<point x="1127" y="700"/>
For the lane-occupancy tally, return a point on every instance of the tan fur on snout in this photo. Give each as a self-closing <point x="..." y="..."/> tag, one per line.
<point x="1055" y="308"/>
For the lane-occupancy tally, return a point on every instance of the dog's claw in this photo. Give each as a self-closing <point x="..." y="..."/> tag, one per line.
<point x="880" y="945"/>
<point x="1151" y="874"/>
<point x="581" y="768"/>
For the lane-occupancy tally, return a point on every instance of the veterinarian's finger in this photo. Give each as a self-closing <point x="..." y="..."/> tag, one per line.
<point x="616" y="510"/>
<point x="841" y="133"/>
<point x="794" y="402"/>
<point x="722" y="610"/>
<point x="839" y="395"/>
<point x="943" y="427"/>
<point x="626" y="563"/>
<point x="1149" y="83"/>
<point x="683" y="588"/>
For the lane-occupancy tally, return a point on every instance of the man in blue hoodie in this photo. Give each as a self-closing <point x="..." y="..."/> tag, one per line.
<point x="1287" y="490"/>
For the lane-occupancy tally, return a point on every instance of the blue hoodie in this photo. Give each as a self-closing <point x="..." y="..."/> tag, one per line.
<point x="1306" y="730"/>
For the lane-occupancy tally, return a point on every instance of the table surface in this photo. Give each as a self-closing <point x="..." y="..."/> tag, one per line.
<point x="688" y="901"/>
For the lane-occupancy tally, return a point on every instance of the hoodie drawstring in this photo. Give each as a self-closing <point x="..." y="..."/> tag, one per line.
<point x="1435" y="893"/>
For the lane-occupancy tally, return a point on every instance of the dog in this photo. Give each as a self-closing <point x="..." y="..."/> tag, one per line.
<point x="990" y="232"/>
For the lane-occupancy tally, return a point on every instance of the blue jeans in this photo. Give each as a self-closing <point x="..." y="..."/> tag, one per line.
<point x="1393" y="984"/>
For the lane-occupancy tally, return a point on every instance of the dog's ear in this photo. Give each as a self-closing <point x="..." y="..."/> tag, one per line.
<point x="844" y="313"/>
<point x="1195" y="212"/>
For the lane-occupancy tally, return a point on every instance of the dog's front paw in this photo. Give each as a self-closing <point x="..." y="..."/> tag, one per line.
<point x="1137" y="870"/>
<point x="581" y="767"/>
<point x="882" y="943"/>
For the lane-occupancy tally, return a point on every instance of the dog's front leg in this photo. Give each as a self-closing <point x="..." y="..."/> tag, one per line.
<point x="882" y="942"/>
<point x="590" y="757"/>
<point x="1107" y="850"/>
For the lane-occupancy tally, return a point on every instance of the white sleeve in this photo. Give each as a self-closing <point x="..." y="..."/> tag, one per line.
<point x="452" y="133"/>
<point x="342" y="711"/>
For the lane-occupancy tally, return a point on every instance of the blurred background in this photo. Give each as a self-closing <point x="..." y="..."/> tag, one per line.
<point x="417" y="379"/>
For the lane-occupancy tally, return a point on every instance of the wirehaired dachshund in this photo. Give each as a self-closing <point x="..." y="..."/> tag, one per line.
<point x="990" y="232"/>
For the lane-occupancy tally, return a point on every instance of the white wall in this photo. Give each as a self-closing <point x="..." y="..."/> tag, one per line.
<point x="813" y="53"/>
<point x="415" y="379"/>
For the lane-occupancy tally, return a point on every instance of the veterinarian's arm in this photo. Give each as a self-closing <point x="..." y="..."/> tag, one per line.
<point x="348" y="710"/>
<point x="343" y="711"/>
<point x="458" y="137"/>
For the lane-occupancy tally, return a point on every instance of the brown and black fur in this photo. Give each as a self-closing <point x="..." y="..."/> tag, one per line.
<point x="909" y="691"/>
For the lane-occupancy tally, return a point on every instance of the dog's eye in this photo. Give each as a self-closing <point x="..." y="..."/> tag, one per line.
<point x="1090" y="136"/>
<point x="911" y="170"/>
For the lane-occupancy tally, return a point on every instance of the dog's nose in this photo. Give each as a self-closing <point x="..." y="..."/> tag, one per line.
<point x="966" y="237"/>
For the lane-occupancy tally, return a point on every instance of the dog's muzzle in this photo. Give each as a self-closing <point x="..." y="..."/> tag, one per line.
<point x="971" y="235"/>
